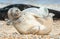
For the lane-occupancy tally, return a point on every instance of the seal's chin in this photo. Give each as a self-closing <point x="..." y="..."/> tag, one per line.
<point x="15" y="16"/>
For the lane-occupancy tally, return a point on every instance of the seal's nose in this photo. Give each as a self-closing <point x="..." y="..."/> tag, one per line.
<point x="15" y="14"/>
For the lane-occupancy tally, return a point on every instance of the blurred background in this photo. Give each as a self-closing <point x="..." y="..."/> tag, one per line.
<point x="30" y="1"/>
<point x="52" y="4"/>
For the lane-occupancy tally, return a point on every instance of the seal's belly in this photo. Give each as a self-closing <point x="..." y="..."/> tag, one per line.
<point x="27" y="22"/>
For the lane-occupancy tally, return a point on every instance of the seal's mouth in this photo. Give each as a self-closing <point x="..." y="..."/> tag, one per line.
<point x="16" y="14"/>
<point x="16" y="17"/>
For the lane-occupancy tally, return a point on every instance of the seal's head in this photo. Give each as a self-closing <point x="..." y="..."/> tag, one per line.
<point x="14" y="13"/>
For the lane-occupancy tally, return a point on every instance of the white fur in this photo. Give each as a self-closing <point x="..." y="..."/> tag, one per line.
<point x="31" y="21"/>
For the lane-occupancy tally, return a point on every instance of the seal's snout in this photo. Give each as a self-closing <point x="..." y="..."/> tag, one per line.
<point x="16" y="14"/>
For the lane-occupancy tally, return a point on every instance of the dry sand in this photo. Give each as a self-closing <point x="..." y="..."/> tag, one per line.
<point x="9" y="32"/>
